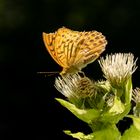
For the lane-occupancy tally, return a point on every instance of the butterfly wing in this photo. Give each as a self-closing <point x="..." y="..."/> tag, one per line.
<point x="91" y="45"/>
<point x="65" y="46"/>
<point x="73" y="50"/>
<point x="49" y="41"/>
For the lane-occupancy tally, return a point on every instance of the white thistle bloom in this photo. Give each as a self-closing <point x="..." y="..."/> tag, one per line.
<point x="85" y="93"/>
<point x="67" y="85"/>
<point x="74" y="86"/>
<point x="136" y="95"/>
<point x="136" y="99"/>
<point x="118" y="67"/>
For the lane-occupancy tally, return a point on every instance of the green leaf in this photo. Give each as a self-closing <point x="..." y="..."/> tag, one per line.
<point x="108" y="133"/>
<point x="133" y="133"/>
<point x="116" y="113"/>
<point x="86" y="115"/>
<point x="128" y="91"/>
<point x="136" y="121"/>
<point x="79" y="135"/>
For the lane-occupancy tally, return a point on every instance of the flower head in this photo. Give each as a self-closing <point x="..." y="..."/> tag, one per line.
<point x="136" y="95"/>
<point x="118" y="68"/>
<point x="83" y="92"/>
<point x="136" y="99"/>
<point x="74" y="87"/>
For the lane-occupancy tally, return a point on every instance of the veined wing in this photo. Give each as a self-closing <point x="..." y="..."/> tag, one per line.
<point x="91" y="45"/>
<point x="73" y="50"/>
<point x="49" y="41"/>
<point x="65" y="46"/>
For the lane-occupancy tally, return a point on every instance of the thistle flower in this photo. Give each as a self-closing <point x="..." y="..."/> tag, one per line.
<point x="136" y="99"/>
<point x="83" y="92"/>
<point x="74" y="86"/>
<point x="118" y="67"/>
<point x="136" y="95"/>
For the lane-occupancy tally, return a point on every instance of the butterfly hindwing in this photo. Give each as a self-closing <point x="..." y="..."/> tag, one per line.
<point x="91" y="45"/>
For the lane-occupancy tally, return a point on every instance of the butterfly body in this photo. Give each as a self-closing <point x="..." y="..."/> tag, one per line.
<point x="74" y="50"/>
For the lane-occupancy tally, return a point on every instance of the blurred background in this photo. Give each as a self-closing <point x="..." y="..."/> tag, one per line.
<point x="27" y="105"/>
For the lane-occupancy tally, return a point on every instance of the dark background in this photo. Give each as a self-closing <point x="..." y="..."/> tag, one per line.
<point x="27" y="105"/>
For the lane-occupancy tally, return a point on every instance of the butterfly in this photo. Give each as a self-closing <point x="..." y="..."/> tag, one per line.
<point x="74" y="50"/>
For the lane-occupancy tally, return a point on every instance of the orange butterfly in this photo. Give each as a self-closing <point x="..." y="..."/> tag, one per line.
<point x="74" y="50"/>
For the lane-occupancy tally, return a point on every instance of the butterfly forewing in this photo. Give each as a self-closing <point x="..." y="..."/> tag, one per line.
<point x="49" y="40"/>
<point x="65" y="46"/>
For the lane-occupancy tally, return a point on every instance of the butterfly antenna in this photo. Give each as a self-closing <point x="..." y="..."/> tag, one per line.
<point x="48" y="73"/>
